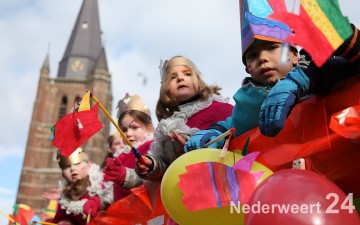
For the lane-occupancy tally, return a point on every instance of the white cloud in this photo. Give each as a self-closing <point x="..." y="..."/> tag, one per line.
<point x="5" y="191"/>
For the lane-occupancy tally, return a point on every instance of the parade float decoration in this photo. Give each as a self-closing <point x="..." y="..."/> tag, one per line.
<point x="300" y="197"/>
<point x="323" y="131"/>
<point x="200" y="186"/>
<point x="319" y="26"/>
<point x="23" y="214"/>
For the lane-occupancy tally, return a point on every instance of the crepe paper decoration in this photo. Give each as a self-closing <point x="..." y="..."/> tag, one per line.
<point x="306" y="134"/>
<point x="320" y="28"/>
<point x="71" y="131"/>
<point x="148" y="210"/>
<point x="245" y="163"/>
<point x="213" y="184"/>
<point x="255" y="24"/>
<point x="23" y="220"/>
<point x="347" y="122"/>
<point x="245" y="150"/>
<point x="23" y="214"/>
<point x="85" y="102"/>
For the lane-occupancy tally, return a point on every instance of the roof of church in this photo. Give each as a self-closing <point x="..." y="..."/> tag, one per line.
<point x="84" y="47"/>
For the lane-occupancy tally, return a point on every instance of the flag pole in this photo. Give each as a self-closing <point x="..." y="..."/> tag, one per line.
<point x="44" y="223"/>
<point x="135" y="151"/>
<point x="7" y="216"/>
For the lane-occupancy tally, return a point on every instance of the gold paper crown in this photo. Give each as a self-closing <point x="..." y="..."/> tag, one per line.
<point x="133" y="102"/>
<point x="76" y="157"/>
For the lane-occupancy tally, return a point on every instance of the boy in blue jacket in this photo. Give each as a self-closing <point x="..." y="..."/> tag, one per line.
<point x="280" y="77"/>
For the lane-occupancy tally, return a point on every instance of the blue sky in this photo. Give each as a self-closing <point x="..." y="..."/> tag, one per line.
<point x="136" y="34"/>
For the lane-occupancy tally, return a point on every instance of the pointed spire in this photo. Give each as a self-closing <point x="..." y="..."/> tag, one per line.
<point x="45" y="68"/>
<point x="46" y="64"/>
<point x="101" y="63"/>
<point x="84" y="45"/>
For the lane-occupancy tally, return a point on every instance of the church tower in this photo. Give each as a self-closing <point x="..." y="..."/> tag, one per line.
<point x="82" y="68"/>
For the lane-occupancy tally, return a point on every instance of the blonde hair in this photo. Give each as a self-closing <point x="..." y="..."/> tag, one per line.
<point x="166" y="105"/>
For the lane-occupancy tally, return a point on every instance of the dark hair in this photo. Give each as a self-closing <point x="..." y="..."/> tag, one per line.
<point x="110" y="140"/>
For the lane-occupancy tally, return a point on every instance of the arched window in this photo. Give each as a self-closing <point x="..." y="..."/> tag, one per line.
<point x="62" y="111"/>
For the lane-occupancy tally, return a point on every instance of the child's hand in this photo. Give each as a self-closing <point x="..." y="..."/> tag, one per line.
<point x="177" y="137"/>
<point x="52" y="194"/>
<point x="280" y="100"/>
<point x="200" y="138"/>
<point x="144" y="166"/>
<point x="114" y="171"/>
<point x="92" y="205"/>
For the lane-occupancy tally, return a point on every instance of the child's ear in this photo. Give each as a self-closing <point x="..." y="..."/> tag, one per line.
<point x="247" y="70"/>
<point x="295" y="58"/>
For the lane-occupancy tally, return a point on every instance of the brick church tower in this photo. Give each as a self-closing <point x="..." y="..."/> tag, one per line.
<point x="83" y="67"/>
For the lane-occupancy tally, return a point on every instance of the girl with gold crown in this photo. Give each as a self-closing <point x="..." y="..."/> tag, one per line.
<point x="83" y="190"/>
<point x="134" y="119"/>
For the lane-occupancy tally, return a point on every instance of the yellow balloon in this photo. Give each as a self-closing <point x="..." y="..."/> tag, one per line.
<point x="171" y="194"/>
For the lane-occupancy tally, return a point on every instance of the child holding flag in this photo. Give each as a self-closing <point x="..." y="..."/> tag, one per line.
<point x="134" y="119"/>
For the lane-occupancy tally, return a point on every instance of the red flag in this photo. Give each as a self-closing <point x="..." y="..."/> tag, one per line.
<point x="75" y="128"/>
<point x="23" y="220"/>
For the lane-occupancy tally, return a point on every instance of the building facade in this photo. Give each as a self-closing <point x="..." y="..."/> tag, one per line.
<point x="82" y="68"/>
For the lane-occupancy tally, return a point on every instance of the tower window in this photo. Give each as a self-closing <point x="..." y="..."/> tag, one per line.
<point x="84" y="25"/>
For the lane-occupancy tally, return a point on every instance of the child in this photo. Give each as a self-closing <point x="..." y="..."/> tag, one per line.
<point x="82" y="191"/>
<point x="116" y="143"/>
<point x="135" y="121"/>
<point x="275" y="85"/>
<point x="143" y="203"/>
<point x="186" y="104"/>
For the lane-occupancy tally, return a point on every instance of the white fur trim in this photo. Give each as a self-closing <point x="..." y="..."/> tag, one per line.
<point x="177" y="122"/>
<point x="73" y="207"/>
<point x="98" y="187"/>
